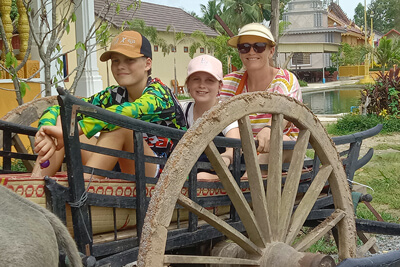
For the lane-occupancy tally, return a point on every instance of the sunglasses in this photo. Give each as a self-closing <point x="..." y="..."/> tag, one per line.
<point x="245" y="48"/>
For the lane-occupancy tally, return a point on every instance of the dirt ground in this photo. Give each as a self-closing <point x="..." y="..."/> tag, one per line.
<point x="372" y="142"/>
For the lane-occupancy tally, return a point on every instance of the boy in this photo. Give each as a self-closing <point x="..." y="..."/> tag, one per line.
<point x="137" y="95"/>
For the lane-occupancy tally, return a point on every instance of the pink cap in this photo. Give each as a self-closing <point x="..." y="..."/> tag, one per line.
<point x="205" y="63"/>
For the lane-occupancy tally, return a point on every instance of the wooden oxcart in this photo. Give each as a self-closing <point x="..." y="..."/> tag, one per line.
<point x="265" y="214"/>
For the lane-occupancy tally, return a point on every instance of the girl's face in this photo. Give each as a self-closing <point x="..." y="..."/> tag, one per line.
<point x="253" y="60"/>
<point x="203" y="87"/>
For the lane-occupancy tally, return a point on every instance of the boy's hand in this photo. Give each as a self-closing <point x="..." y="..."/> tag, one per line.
<point x="47" y="140"/>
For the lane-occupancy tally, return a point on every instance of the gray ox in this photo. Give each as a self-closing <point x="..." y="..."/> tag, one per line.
<point x="30" y="235"/>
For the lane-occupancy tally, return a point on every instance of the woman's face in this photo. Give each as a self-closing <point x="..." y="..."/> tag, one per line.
<point x="203" y="87"/>
<point x="253" y="60"/>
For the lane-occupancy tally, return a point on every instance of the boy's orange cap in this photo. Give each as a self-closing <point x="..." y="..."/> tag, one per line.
<point x="129" y="43"/>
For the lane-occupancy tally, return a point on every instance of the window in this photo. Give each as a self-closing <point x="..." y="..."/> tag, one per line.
<point x="186" y="49"/>
<point x="65" y="67"/>
<point x="317" y="20"/>
<point x="173" y="49"/>
<point x="315" y="5"/>
<point x="327" y="60"/>
<point x="329" y="37"/>
<point x="286" y="23"/>
<point x="301" y="59"/>
<point x="156" y="48"/>
<point x="202" y="50"/>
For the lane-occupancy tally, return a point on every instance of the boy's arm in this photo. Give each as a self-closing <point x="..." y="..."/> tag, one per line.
<point x="154" y="105"/>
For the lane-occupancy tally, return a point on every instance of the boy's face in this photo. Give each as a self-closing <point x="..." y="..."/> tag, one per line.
<point x="129" y="72"/>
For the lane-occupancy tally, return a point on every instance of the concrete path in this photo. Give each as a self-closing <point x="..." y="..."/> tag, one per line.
<point x="349" y="83"/>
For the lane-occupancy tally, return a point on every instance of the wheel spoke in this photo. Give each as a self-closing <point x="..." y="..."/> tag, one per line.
<point x="292" y="182"/>
<point x="257" y="190"/>
<point x="179" y="259"/>
<point x="220" y="225"/>
<point x="235" y="194"/>
<point x="320" y="230"/>
<point x="306" y="204"/>
<point x="274" y="181"/>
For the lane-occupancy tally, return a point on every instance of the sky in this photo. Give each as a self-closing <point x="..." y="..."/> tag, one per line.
<point x="348" y="6"/>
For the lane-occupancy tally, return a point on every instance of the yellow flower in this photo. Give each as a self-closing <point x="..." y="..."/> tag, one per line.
<point x="383" y="113"/>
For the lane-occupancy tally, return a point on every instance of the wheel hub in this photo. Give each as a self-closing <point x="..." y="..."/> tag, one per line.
<point x="275" y="254"/>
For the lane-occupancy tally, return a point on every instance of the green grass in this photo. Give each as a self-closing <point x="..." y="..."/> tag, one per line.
<point x="386" y="146"/>
<point x="183" y="97"/>
<point x="381" y="174"/>
<point x="352" y="123"/>
<point x="364" y="213"/>
<point x="17" y="165"/>
<point x="326" y="245"/>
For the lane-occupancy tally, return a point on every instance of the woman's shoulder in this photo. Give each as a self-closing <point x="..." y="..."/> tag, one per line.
<point x="285" y="74"/>
<point x="235" y="75"/>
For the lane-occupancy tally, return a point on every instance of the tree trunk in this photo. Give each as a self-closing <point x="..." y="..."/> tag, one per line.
<point x="275" y="24"/>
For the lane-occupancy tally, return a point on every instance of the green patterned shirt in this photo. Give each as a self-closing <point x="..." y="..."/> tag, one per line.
<point x="156" y="105"/>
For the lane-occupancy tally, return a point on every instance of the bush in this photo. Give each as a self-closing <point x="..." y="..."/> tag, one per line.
<point x="383" y="96"/>
<point x="303" y="83"/>
<point x="352" y="123"/>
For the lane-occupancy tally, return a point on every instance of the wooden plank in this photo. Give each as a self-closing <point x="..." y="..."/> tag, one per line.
<point x="274" y="181"/>
<point x="306" y="204"/>
<point x="292" y="182"/>
<point x="19" y="146"/>
<point x="257" y="191"/>
<point x="369" y="244"/>
<point x="220" y="225"/>
<point x="319" y="231"/>
<point x="179" y="259"/>
<point x="235" y="194"/>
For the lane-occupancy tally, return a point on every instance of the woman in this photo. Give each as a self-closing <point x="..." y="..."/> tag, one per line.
<point x="204" y="83"/>
<point x="256" y="46"/>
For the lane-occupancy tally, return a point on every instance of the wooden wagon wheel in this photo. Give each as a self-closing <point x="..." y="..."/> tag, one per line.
<point x="26" y="115"/>
<point x="271" y="224"/>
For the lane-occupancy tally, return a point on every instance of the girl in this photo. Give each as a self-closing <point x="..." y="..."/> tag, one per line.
<point x="204" y="83"/>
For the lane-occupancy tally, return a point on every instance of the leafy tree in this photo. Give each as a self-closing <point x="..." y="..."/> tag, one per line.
<point x="387" y="52"/>
<point x="349" y="55"/>
<point x="150" y="32"/>
<point x="14" y="10"/>
<point x="359" y="15"/>
<point x="209" y="11"/>
<point x="237" y="13"/>
<point x="386" y="13"/>
<point x="218" y="47"/>
<point x="226" y="53"/>
<point x="192" y="13"/>
<point x="48" y="23"/>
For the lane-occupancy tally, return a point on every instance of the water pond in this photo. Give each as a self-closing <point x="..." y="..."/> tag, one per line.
<point x="333" y="101"/>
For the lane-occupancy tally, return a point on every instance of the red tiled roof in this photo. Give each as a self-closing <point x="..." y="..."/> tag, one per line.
<point x="154" y="15"/>
<point x="392" y="31"/>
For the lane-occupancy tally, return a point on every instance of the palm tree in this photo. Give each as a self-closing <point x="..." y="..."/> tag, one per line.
<point x="213" y="8"/>
<point x="237" y="13"/>
<point x="386" y="53"/>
